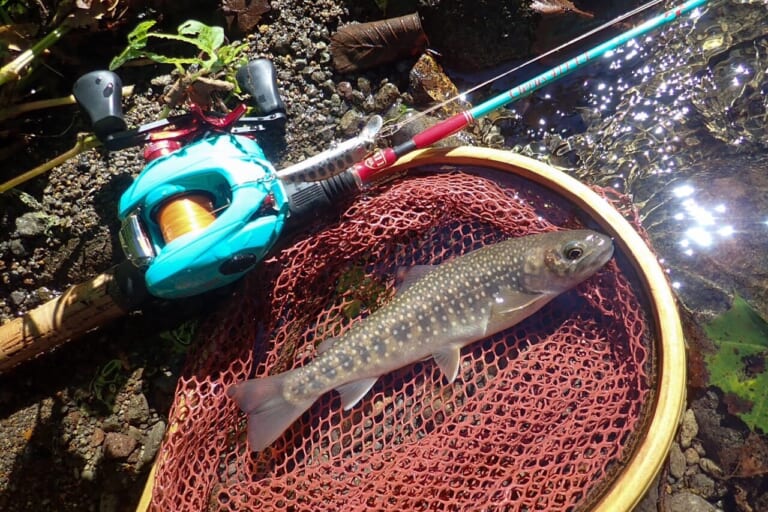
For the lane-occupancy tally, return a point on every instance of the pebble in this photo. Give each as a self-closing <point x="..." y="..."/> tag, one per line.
<point x="688" y="429"/>
<point x="692" y="456"/>
<point x="97" y="437"/>
<point x="710" y="467"/>
<point x="137" y="409"/>
<point x="702" y="485"/>
<point x="31" y="224"/>
<point x="152" y="442"/>
<point x="677" y="462"/>
<point x="118" y="445"/>
<point x="688" y="502"/>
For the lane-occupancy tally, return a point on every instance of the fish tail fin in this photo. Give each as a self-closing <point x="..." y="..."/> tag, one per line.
<point x="269" y="413"/>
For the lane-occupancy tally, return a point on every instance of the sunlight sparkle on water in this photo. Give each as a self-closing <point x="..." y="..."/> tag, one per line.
<point x="705" y="227"/>
<point x="683" y="191"/>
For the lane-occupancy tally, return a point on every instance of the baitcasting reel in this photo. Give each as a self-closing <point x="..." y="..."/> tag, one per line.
<point x="209" y="205"/>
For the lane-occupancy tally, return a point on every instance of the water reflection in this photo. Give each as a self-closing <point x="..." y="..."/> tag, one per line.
<point x="678" y="120"/>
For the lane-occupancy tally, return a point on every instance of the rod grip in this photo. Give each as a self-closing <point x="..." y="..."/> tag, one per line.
<point x="81" y="308"/>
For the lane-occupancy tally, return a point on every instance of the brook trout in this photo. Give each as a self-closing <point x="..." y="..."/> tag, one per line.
<point x="437" y="310"/>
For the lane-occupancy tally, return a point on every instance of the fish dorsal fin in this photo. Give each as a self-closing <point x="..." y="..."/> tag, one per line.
<point x="448" y="360"/>
<point x="352" y="392"/>
<point x="326" y="344"/>
<point x="409" y="275"/>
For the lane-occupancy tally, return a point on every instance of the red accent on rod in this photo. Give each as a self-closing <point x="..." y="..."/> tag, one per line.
<point x="380" y="159"/>
<point x="442" y="129"/>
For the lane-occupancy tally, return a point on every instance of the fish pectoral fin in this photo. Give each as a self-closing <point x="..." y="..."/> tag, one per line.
<point x="510" y="306"/>
<point x="409" y="275"/>
<point x="448" y="360"/>
<point x="325" y="344"/>
<point x="352" y="392"/>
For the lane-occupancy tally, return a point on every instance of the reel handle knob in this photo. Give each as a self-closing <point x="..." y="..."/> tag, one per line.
<point x="258" y="78"/>
<point x="100" y="93"/>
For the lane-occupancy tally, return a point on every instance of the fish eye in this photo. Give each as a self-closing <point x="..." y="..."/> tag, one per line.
<point x="573" y="251"/>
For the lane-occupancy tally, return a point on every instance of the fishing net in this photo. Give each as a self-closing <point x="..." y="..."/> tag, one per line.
<point x="540" y="417"/>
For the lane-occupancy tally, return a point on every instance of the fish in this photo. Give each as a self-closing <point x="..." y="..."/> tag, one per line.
<point x="436" y="311"/>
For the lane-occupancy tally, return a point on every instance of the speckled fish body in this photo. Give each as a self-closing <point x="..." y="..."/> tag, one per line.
<point x="437" y="311"/>
<point x="335" y="160"/>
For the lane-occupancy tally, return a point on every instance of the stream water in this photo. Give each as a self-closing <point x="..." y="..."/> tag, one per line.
<point x="678" y="121"/>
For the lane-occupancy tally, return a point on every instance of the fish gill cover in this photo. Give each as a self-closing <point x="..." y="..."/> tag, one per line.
<point x="540" y="417"/>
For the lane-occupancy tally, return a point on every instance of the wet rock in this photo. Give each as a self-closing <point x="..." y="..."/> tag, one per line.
<point x="118" y="445"/>
<point x="702" y="485"/>
<point x="686" y="501"/>
<point x="32" y="224"/>
<point x="137" y="409"/>
<point x="721" y="443"/>
<point x="676" y="462"/>
<point x="152" y="442"/>
<point x="688" y="429"/>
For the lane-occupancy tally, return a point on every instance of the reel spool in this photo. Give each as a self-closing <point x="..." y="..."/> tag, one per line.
<point x="187" y="213"/>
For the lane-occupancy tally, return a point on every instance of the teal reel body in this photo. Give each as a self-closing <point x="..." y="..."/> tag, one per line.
<point x="251" y="205"/>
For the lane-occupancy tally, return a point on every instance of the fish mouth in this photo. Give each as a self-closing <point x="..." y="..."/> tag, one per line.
<point x="603" y="249"/>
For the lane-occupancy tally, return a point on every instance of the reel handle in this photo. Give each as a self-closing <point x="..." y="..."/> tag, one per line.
<point x="99" y="93"/>
<point x="258" y="78"/>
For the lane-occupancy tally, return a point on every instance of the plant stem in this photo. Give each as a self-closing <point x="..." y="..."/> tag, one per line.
<point x="12" y="70"/>
<point x="84" y="143"/>
<point x="16" y="110"/>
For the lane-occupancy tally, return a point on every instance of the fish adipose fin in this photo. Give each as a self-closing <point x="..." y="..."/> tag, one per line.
<point x="269" y="413"/>
<point x="448" y="360"/>
<point x="352" y="392"/>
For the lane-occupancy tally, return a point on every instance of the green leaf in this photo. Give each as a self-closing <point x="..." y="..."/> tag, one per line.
<point x="137" y="41"/>
<point x="209" y="39"/>
<point x="738" y="366"/>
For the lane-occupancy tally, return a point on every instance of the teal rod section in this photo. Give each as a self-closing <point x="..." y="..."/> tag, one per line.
<point x="580" y="60"/>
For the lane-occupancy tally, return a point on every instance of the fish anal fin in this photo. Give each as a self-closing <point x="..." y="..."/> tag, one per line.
<point x="407" y="276"/>
<point x="448" y="360"/>
<point x="352" y="392"/>
<point x="269" y="413"/>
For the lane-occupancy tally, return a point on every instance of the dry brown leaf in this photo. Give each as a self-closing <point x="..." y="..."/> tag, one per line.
<point x="244" y="14"/>
<point x="365" y="45"/>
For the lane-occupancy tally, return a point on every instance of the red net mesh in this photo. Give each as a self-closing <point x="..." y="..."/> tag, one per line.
<point x="539" y="418"/>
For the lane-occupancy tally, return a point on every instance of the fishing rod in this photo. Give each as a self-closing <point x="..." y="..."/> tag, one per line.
<point x="209" y="206"/>
<point x="390" y="130"/>
<point x="372" y="168"/>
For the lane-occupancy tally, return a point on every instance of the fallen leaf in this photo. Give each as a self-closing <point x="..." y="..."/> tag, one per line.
<point x="737" y="367"/>
<point x="244" y="14"/>
<point x="365" y="45"/>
